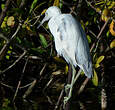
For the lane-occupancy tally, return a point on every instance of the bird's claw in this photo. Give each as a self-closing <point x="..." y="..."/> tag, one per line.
<point x="68" y="86"/>
<point x="65" y="101"/>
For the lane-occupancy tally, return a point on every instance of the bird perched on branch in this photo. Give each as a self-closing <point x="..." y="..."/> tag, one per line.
<point x="70" y="42"/>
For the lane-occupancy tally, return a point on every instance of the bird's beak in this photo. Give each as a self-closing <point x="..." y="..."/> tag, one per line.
<point x="46" y="18"/>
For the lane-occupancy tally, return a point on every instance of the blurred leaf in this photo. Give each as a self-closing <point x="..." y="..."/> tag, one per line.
<point x="58" y="59"/>
<point x="10" y="21"/>
<point x="82" y="73"/>
<point x="33" y="5"/>
<point x="101" y="2"/>
<point x="97" y="65"/>
<point x="7" y="57"/>
<point x="28" y="28"/>
<point x="112" y="45"/>
<point x="19" y="40"/>
<point x="86" y="23"/>
<point x="82" y="24"/>
<point x="66" y="69"/>
<point x="43" y="40"/>
<point x="100" y="59"/>
<point x="9" y="51"/>
<point x="89" y="38"/>
<point x="3" y="25"/>
<point x="91" y="12"/>
<point x="107" y="34"/>
<point x="2" y="6"/>
<point x="18" y="10"/>
<point x="94" y="57"/>
<point x="112" y="27"/>
<point x="95" y="79"/>
<point x="5" y="102"/>
<point x="105" y="14"/>
<point x="111" y="4"/>
<point x="61" y="3"/>
<point x="98" y="10"/>
<point x="38" y="6"/>
<point x="11" y="47"/>
<point x="38" y="50"/>
<point x="56" y="3"/>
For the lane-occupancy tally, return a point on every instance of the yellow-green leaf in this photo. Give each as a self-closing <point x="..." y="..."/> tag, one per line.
<point x="112" y="45"/>
<point x="105" y="14"/>
<point x="56" y="3"/>
<point x="89" y="39"/>
<point x="57" y="59"/>
<point x="97" y="65"/>
<point x="95" y="79"/>
<point x="43" y="11"/>
<point x="7" y="57"/>
<point x="100" y="59"/>
<point x="3" y="25"/>
<point x="66" y="69"/>
<point x="111" y="5"/>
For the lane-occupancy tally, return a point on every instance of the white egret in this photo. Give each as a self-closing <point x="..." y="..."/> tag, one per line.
<point x="70" y="42"/>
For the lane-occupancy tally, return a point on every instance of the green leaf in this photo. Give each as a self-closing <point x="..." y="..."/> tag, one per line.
<point x="33" y="5"/>
<point x="9" y="52"/>
<point x="2" y="6"/>
<point x="38" y="50"/>
<point x="43" y="40"/>
<point x="95" y="79"/>
<point x="19" y="40"/>
<point x="107" y="34"/>
<point x="7" y="57"/>
<point x="89" y="38"/>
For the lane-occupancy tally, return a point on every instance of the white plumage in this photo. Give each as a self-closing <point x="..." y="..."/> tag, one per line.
<point x="70" y="42"/>
<point x="70" y="39"/>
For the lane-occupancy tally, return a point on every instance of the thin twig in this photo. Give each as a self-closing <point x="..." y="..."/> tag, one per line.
<point x="83" y="86"/>
<point x="41" y="72"/>
<point x="14" y="63"/>
<point x="99" y="34"/>
<point x="11" y="87"/>
<point x="29" y="90"/>
<point x="59" y="99"/>
<point x="19" y="83"/>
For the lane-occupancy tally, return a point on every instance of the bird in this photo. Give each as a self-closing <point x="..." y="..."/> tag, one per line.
<point x="70" y="42"/>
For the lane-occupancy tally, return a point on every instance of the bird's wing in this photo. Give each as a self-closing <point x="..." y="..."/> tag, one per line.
<point x="71" y="42"/>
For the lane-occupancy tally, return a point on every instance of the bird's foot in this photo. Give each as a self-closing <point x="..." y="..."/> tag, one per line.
<point x="66" y="99"/>
<point x="68" y="86"/>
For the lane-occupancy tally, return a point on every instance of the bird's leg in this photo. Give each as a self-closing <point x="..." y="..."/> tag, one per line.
<point x="78" y="74"/>
<point x="70" y="86"/>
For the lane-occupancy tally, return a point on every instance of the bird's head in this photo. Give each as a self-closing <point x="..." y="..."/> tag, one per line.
<point x="50" y="12"/>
